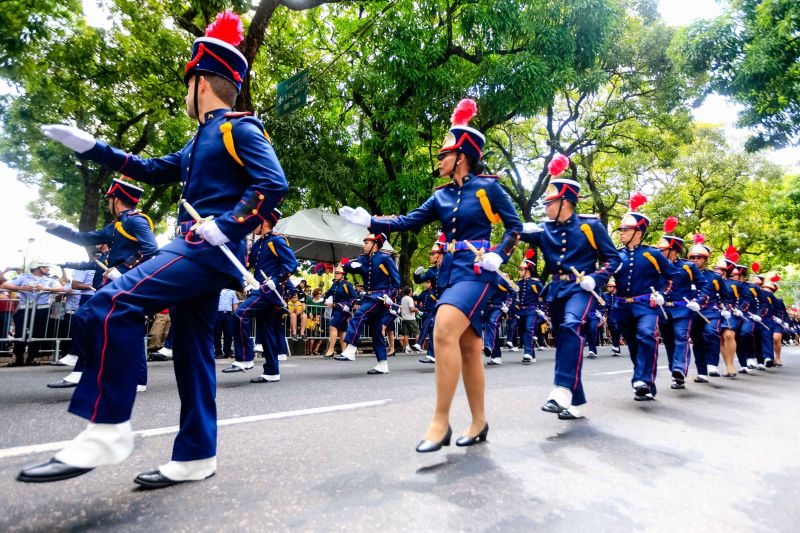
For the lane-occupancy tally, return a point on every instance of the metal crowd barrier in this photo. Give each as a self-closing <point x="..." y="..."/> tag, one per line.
<point x="46" y="324"/>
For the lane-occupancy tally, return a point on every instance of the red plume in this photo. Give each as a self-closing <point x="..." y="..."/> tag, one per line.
<point x="465" y="110"/>
<point x="698" y="238"/>
<point x="530" y="253"/>
<point x="558" y="164"/>
<point x="226" y="27"/>
<point x="732" y="254"/>
<point x="637" y="201"/>
<point x="775" y="279"/>
<point x="670" y="224"/>
<point x="344" y="261"/>
<point x="441" y="238"/>
<point x="755" y="267"/>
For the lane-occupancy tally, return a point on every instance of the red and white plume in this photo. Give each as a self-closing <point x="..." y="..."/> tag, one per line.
<point x="344" y="261"/>
<point x="227" y="27"/>
<point x="557" y="165"/>
<point x="637" y="201"/>
<point x="775" y="279"/>
<point x="530" y="253"/>
<point x="464" y="111"/>
<point x="732" y="254"/>
<point x="670" y="224"/>
<point x="755" y="267"/>
<point x="699" y="238"/>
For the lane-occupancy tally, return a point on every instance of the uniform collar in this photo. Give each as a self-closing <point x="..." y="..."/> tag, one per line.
<point x="216" y="113"/>
<point x="119" y="215"/>
<point x="634" y="248"/>
<point x="573" y="218"/>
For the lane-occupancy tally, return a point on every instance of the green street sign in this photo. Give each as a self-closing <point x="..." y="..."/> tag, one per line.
<point x="293" y="93"/>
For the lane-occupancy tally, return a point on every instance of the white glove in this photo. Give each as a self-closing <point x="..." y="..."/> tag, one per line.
<point x="540" y="313"/>
<point x="588" y="283"/>
<point x="113" y="274"/>
<point x="211" y="233"/>
<point x="531" y="227"/>
<point x="757" y="318"/>
<point x="345" y="308"/>
<point x="738" y="312"/>
<point x="491" y="262"/>
<point x="73" y="138"/>
<point x="358" y="216"/>
<point x="598" y="314"/>
<point x="504" y="309"/>
<point x="329" y="300"/>
<point x="387" y="300"/>
<point x="48" y="224"/>
<point x="725" y="314"/>
<point x="419" y="271"/>
<point x="778" y="321"/>
<point x="392" y="312"/>
<point x="694" y="306"/>
<point x="657" y="298"/>
<point x="269" y="284"/>
<point x="355" y="264"/>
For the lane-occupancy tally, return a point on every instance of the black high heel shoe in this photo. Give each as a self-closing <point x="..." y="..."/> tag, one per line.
<point x="469" y="441"/>
<point x="426" y="446"/>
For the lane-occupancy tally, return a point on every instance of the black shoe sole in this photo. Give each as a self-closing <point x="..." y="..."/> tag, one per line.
<point x="26" y="479"/>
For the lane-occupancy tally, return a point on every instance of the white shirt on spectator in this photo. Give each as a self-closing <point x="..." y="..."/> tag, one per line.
<point x="29" y="280"/>
<point x="406" y="304"/>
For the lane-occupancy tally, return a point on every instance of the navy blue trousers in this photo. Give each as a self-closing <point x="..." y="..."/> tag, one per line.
<point x="528" y="322"/>
<point x="675" y="334"/>
<point x="590" y="331"/>
<point x="111" y="327"/>
<point x="613" y="329"/>
<point x="223" y="333"/>
<point x="568" y="315"/>
<point x="426" y="331"/>
<point x="491" y="328"/>
<point x="372" y="312"/>
<point x="706" y="340"/>
<point x="266" y="307"/>
<point x="641" y="336"/>
<point x="765" y="348"/>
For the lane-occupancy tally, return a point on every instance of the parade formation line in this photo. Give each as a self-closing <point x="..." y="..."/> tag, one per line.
<point x="50" y="446"/>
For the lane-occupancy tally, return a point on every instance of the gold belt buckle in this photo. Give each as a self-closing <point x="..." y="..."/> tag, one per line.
<point x="629" y="300"/>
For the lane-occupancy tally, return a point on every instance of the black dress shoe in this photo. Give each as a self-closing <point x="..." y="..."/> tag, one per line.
<point x="567" y="415"/>
<point x="374" y="372"/>
<point x="52" y="470"/>
<point x="158" y="357"/>
<point x="426" y="446"/>
<point x="262" y="379"/>
<point x="641" y="391"/>
<point x="155" y="480"/>
<point x="234" y="368"/>
<point x="551" y="406"/>
<point x="469" y="441"/>
<point x="62" y="384"/>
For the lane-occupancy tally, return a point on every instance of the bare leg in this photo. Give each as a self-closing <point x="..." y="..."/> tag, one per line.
<point x="391" y="340"/>
<point x="777" y="344"/>
<point x="303" y="319"/>
<point x="728" y="349"/>
<point x="474" y="379"/>
<point x="293" y="323"/>
<point x="331" y="340"/>
<point x="450" y="325"/>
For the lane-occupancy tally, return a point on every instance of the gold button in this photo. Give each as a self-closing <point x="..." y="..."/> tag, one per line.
<point x="558" y="263"/>
<point x="563" y="249"/>
<point x="453" y="230"/>
<point x="260" y="196"/>
<point x="458" y="201"/>
<point x="455" y="209"/>
<point x="563" y="241"/>
<point x="561" y="256"/>
<point x="454" y="219"/>
<point x="241" y="219"/>
<point x="255" y="211"/>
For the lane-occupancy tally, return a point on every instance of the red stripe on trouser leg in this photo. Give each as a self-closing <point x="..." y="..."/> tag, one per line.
<point x="655" y="353"/>
<point x="580" y="351"/>
<point x="105" y="333"/>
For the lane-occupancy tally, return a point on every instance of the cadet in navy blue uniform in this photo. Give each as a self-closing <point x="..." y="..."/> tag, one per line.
<point x="570" y="243"/>
<point x="228" y="171"/>
<point x="528" y="297"/>
<point x="130" y="240"/>
<point x="340" y="299"/>
<point x="466" y="207"/>
<point x="728" y="303"/>
<point x="497" y="306"/>
<point x="428" y="305"/>
<point x="381" y="281"/>
<point x="591" y="327"/>
<point x="716" y="300"/>
<point x="779" y="317"/>
<point x="641" y="275"/>
<point x="745" y="340"/>
<point x="270" y="256"/>
<point x="613" y="327"/>
<point x="763" y="334"/>
<point x="681" y="305"/>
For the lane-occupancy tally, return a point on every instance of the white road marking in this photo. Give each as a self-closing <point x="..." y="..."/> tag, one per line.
<point x="629" y="371"/>
<point x="51" y="446"/>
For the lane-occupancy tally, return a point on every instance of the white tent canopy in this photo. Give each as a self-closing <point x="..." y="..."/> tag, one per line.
<point x="320" y="235"/>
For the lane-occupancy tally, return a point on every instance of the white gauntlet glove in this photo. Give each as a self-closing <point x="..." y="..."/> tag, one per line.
<point x="269" y="284"/>
<point x="113" y="274"/>
<point x="725" y="314"/>
<point x="491" y="262"/>
<point x="211" y="233"/>
<point x="329" y="300"/>
<point x="588" y="283"/>
<point x="47" y="224"/>
<point x="358" y="216"/>
<point x="73" y="138"/>
<point x="738" y="313"/>
<point x="345" y="308"/>
<point x="693" y="306"/>
<point x="419" y="271"/>
<point x="657" y="298"/>
<point x="531" y="227"/>
<point x="757" y="318"/>
<point x="355" y="264"/>
<point x="504" y="309"/>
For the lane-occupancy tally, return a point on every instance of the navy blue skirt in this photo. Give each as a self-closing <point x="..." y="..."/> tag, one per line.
<point x="471" y="298"/>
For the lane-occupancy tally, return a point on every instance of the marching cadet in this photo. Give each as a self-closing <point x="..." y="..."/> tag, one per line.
<point x="381" y="281"/>
<point x="717" y="300"/>
<point x="228" y="171"/>
<point x="613" y="326"/>
<point x="643" y="273"/>
<point x="498" y="306"/>
<point x="681" y="305"/>
<point x="340" y="299"/>
<point x="130" y="241"/>
<point x="429" y="303"/>
<point x="528" y="297"/>
<point x="591" y="327"/>
<point x="745" y="342"/>
<point x="466" y="207"/>
<point x="763" y="333"/>
<point x="779" y="317"/>
<point x="579" y="254"/>
<point x="273" y="262"/>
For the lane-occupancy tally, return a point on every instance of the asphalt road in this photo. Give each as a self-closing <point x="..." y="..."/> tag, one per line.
<point x="331" y="448"/>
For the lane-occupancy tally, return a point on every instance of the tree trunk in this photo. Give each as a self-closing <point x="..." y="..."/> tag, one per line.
<point x="408" y="245"/>
<point x="252" y="43"/>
